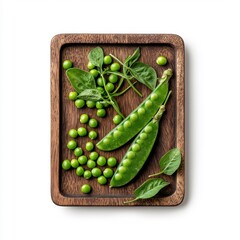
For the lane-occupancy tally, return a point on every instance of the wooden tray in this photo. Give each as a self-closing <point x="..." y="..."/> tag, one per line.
<point x="65" y="185"/>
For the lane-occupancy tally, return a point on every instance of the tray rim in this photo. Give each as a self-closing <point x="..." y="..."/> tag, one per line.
<point x="57" y="42"/>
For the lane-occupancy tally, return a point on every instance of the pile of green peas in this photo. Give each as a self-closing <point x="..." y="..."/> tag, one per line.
<point x="93" y="166"/>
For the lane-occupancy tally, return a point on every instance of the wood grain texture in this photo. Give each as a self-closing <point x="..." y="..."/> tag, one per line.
<point x="65" y="185"/>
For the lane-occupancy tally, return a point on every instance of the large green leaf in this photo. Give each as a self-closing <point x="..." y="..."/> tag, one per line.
<point x="80" y="79"/>
<point x="144" y="74"/>
<point x="96" y="56"/>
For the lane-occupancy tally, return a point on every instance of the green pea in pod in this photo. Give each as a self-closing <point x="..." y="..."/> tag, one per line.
<point x="139" y="151"/>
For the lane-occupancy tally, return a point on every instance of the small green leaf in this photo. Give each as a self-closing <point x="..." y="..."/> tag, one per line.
<point x="96" y="56"/>
<point x="144" y="74"/>
<point x="90" y="94"/>
<point x="80" y="79"/>
<point x="170" y="162"/>
<point x="131" y="59"/>
<point x="134" y="57"/>
<point x="149" y="189"/>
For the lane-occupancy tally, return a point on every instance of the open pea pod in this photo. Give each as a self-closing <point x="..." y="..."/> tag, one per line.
<point x="138" y="118"/>
<point x="138" y="152"/>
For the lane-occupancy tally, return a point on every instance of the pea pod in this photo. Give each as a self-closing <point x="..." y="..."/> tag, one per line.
<point x="138" y="118"/>
<point x="138" y="152"/>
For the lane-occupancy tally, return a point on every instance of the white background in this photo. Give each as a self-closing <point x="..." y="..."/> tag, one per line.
<point x="210" y="30"/>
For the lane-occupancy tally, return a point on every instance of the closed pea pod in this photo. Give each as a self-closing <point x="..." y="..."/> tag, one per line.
<point x="138" y="152"/>
<point x="136" y="120"/>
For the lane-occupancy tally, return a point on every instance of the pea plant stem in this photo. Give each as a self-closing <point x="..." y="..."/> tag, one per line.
<point x="125" y="76"/>
<point x="119" y="85"/>
<point x="110" y="98"/>
<point x="118" y="60"/>
<point x="155" y="174"/>
<point x="135" y="199"/>
<point x="120" y="93"/>
<point x="128" y="80"/>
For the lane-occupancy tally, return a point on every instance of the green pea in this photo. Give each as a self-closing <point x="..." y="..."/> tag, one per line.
<point x="102" y="180"/>
<point x="82" y="131"/>
<point x="141" y="111"/>
<point x="96" y="172"/>
<point x="82" y="160"/>
<point x="100" y="82"/>
<point x="115" y="67"/>
<point x="140" y="141"/>
<point x="120" y="128"/>
<point x="93" y="123"/>
<point x="106" y="104"/>
<point x="93" y="156"/>
<point x="72" y="144"/>
<point x="101" y="113"/>
<point x="86" y="188"/>
<point x="91" y="164"/>
<point x="117" y="119"/>
<point x="87" y="174"/>
<point x="78" y="152"/>
<point x="107" y="60"/>
<point x="89" y="146"/>
<point x="74" y="163"/>
<point x="106" y="141"/>
<point x="67" y="64"/>
<point x="84" y="118"/>
<point x="101" y="90"/>
<point x="116" y="134"/>
<point x="94" y="73"/>
<point x="136" y="147"/>
<point x="118" y="176"/>
<point x="72" y="96"/>
<point x="112" y="162"/>
<point x="101" y="161"/>
<point x="109" y="87"/>
<point x="113" y="78"/>
<point x="148" y="103"/>
<point x="90" y="104"/>
<point x="92" y="134"/>
<point x="79" y="103"/>
<point x="131" y="154"/>
<point x="79" y="171"/>
<point x="133" y="117"/>
<point x="122" y="169"/>
<point x="66" y="164"/>
<point x="108" y="172"/>
<point x="143" y="136"/>
<point x="73" y="133"/>
<point x="148" y="129"/>
<point x="126" y="162"/>
<point x="99" y="105"/>
<point x="161" y="60"/>
<point x="127" y="124"/>
<point x="90" y="66"/>
<point x="154" y="96"/>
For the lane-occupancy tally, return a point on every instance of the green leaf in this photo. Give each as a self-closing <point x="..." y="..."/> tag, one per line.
<point x="131" y="59"/>
<point x="80" y="79"/>
<point x="170" y="162"/>
<point x="96" y="56"/>
<point x="149" y="189"/>
<point x="90" y="94"/>
<point x="144" y="74"/>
